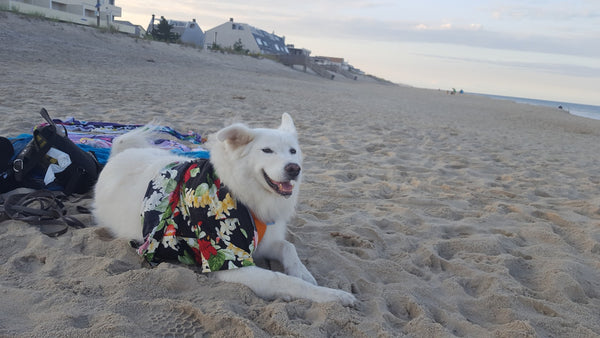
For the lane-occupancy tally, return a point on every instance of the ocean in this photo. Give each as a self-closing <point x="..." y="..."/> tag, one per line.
<point x="583" y="110"/>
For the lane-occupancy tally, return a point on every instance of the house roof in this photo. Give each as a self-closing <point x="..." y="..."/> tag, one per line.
<point x="269" y="43"/>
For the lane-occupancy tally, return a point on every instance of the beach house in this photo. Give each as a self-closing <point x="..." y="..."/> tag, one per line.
<point x="252" y="39"/>
<point x="86" y="12"/>
<point x="295" y="57"/>
<point x="189" y="31"/>
<point x="329" y="61"/>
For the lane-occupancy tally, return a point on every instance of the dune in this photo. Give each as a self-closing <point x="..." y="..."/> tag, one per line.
<point x="445" y="215"/>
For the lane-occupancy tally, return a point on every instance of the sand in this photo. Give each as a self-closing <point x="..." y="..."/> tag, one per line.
<point x="446" y="215"/>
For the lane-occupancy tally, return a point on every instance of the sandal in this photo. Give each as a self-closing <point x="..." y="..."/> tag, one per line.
<point x="42" y="208"/>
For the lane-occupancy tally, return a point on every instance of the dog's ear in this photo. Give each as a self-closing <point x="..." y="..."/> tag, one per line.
<point x="287" y="124"/>
<point x="236" y="135"/>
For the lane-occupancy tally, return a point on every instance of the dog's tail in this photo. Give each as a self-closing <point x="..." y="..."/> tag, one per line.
<point x="137" y="138"/>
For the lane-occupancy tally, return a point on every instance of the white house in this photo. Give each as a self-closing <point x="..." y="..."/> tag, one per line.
<point x="189" y="31"/>
<point x="86" y="12"/>
<point x="253" y="39"/>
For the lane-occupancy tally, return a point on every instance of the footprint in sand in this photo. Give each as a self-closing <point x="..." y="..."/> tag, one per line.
<point x="444" y="213"/>
<point x="354" y="244"/>
<point x="567" y="230"/>
<point x="401" y="309"/>
<point x="346" y="176"/>
<point x="29" y="263"/>
<point x="173" y="320"/>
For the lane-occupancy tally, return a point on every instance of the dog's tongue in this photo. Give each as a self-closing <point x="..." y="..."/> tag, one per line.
<point x="285" y="187"/>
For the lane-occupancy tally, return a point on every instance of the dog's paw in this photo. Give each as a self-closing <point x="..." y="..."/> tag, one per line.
<point x="343" y="297"/>
<point x="347" y="299"/>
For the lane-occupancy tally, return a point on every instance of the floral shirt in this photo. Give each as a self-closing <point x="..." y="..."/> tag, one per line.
<point x="189" y="216"/>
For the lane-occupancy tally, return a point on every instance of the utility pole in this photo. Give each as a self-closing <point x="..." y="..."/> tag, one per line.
<point x="98" y="13"/>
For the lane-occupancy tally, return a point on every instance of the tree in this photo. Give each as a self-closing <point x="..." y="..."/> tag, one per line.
<point x="238" y="46"/>
<point x="163" y="31"/>
<point x="215" y="47"/>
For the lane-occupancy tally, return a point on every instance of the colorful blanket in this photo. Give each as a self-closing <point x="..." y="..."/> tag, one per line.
<point x="97" y="137"/>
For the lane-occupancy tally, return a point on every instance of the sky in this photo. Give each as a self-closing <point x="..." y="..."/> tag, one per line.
<point x="537" y="49"/>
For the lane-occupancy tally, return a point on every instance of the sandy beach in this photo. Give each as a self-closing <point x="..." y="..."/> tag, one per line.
<point x="445" y="215"/>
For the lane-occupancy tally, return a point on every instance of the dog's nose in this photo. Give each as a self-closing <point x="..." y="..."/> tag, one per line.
<point x="292" y="170"/>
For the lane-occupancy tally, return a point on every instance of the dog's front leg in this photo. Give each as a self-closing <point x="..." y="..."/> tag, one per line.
<point x="292" y="265"/>
<point x="270" y="285"/>
<point x="286" y="254"/>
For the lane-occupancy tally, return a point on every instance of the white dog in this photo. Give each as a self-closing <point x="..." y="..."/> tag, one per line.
<point x="261" y="168"/>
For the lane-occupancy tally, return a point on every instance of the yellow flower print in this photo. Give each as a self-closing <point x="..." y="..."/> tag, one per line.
<point x="239" y="253"/>
<point x="204" y="200"/>
<point x="221" y="208"/>
<point x="228" y="203"/>
<point x="190" y="198"/>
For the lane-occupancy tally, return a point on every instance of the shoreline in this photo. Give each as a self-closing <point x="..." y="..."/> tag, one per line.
<point x="445" y="215"/>
<point x="576" y="109"/>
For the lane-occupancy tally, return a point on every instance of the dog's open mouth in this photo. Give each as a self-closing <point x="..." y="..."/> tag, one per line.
<point x="282" y="188"/>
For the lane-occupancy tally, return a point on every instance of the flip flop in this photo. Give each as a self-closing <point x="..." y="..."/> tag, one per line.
<point x="42" y="208"/>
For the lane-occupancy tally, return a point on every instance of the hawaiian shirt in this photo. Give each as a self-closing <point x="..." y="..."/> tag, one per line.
<point x="189" y="216"/>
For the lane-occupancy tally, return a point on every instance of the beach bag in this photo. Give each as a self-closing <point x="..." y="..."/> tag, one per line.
<point x="52" y="161"/>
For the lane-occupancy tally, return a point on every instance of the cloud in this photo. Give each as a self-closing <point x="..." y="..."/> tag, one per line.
<point x="361" y="21"/>
<point x="549" y="11"/>
<point x="358" y="30"/>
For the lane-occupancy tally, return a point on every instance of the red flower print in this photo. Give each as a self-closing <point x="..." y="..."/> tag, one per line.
<point x="206" y="248"/>
<point x="218" y="183"/>
<point x="187" y="175"/>
<point x="197" y="255"/>
<point x="170" y="230"/>
<point x="174" y="198"/>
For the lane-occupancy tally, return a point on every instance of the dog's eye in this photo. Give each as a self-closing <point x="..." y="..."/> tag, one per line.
<point x="292" y="151"/>
<point x="267" y="150"/>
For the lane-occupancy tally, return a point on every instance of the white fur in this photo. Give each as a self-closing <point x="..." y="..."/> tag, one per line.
<point x="239" y="155"/>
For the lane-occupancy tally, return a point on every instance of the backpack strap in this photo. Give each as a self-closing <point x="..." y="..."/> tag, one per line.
<point x="46" y="117"/>
<point x="33" y="154"/>
<point x="61" y="130"/>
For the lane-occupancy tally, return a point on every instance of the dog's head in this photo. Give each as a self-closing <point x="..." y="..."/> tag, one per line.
<point x="262" y="159"/>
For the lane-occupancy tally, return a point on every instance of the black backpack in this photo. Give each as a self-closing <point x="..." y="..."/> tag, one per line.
<point x="30" y="165"/>
<point x="7" y="179"/>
